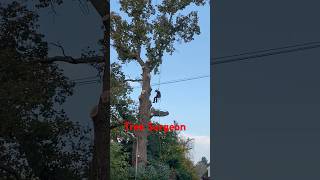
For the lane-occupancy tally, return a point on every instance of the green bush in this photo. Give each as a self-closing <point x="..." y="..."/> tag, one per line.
<point x="119" y="162"/>
<point x="154" y="171"/>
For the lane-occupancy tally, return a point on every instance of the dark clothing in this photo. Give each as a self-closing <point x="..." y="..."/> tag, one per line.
<point x="158" y="95"/>
<point x="155" y="100"/>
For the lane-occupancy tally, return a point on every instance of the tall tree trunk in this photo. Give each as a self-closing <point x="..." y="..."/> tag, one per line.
<point x="145" y="114"/>
<point x="100" y="168"/>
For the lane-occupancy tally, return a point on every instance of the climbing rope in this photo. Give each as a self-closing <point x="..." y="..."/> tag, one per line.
<point x="159" y="83"/>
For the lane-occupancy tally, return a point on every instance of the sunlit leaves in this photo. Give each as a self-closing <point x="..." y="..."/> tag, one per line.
<point x="154" y="27"/>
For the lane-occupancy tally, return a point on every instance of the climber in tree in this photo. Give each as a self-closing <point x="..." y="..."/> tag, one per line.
<point x="158" y="95"/>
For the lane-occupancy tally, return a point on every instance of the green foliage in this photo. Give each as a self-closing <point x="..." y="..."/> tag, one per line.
<point x="154" y="171"/>
<point x="119" y="162"/>
<point x="121" y="104"/>
<point x="120" y="89"/>
<point x="167" y="157"/>
<point x="172" y="150"/>
<point x="152" y="27"/>
<point x="37" y="140"/>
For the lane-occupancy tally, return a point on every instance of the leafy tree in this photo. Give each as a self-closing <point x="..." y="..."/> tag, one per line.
<point x="201" y="167"/>
<point x="100" y="114"/>
<point x="153" y="171"/>
<point x="149" y="31"/>
<point x="174" y="152"/>
<point x="37" y="140"/>
<point x="60" y="149"/>
<point x="119" y="162"/>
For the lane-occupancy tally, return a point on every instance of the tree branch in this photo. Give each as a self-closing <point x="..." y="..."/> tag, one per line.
<point x="158" y="113"/>
<point x="140" y="61"/>
<point x="119" y="122"/>
<point x="58" y="45"/>
<point x="133" y="80"/>
<point x="71" y="60"/>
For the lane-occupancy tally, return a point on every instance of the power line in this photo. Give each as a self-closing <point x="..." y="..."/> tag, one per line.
<point x="180" y="80"/>
<point x="254" y="54"/>
<point x="166" y="82"/>
<point x="263" y="53"/>
<point x="298" y="48"/>
<point x="85" y="78"/>
<point x="93" y="80"/>
<point x="266" y="50"/>
<point x="87" y="82"/>
<point x="229" y="59"/>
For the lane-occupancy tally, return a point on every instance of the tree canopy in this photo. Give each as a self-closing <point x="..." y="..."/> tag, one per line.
<point x="153" y="28"/>
<point x="143" y="31"/>
<point x="36" y="137"/>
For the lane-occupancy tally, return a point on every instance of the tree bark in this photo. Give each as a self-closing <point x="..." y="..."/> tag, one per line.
<point x="145" y="115"/>
<point x="100" y="168"/>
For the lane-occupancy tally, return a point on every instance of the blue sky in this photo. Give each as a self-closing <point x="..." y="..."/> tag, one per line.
<point x="188" y="102"/>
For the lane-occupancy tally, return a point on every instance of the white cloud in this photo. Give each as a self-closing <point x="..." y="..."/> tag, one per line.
<point x="201" y="146"/>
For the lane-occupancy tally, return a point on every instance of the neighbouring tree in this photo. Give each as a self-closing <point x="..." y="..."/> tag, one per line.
<point x="118" y="162"/>
<point x="148" y="31"/>
<point x="202" y="167"/>
<point x="100" y="115"/>
<point x="174" y="151"/>
<point x="37" y="140"/>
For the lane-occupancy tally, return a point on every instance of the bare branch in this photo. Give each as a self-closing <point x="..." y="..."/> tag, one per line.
<point x="53" y="8"/>
<point x="158" y="113"/>
<point x="58" y="44"/>
<point x="71" y="60"/>
<point x="133" y="80"/>
<point x="140" y="61"/>
<point x="138" y="57"/>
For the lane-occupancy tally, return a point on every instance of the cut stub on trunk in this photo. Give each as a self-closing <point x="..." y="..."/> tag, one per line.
<point x="158" y="113"/>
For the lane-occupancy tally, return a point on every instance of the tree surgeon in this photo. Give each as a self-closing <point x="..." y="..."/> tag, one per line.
<point x="144" y="35"/>
<point x="158" y="96"/>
